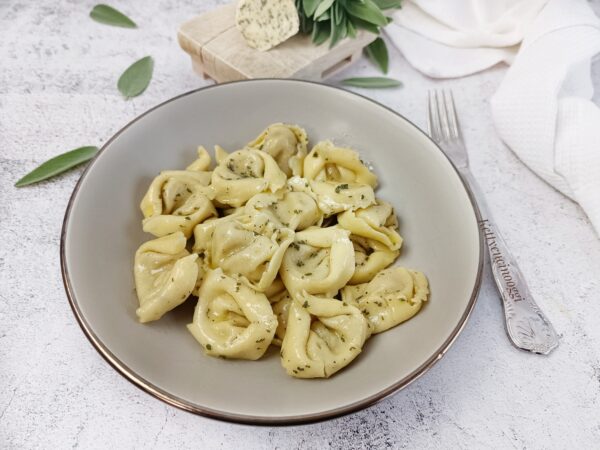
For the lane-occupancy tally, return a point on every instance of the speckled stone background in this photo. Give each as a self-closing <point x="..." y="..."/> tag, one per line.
<point x="58" y="72"/>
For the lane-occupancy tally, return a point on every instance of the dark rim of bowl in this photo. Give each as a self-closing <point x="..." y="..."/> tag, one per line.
<point x="183" y="404"/>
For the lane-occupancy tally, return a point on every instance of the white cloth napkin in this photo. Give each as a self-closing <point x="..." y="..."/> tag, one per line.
<point x="542" y="109"/>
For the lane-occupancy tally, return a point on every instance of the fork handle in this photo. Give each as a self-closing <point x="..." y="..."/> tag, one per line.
<point x="527" y="326"/>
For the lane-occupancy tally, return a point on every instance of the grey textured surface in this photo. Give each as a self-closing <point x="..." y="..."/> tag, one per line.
<point x="57" y="92"/>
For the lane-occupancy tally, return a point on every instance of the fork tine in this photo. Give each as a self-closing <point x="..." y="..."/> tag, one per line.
<point x="442" y="110"/>
<point x="452" y="117"/>
<point x="433" y="117"/>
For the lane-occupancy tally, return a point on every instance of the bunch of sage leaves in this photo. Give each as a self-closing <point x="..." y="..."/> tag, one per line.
<point x="334" y="20"/>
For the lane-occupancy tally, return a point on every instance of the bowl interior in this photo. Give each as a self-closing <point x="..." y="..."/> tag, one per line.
<point x="103" y="231"/>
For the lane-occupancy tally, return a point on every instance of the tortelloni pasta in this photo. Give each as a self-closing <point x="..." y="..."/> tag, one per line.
<point x="177" y="200"/>
<point x="286" y="144"/>
<point x="294" y="210"/>
<point x="323" y="335"/>
<point x="392" y="297"/>
<point x="319" y="261"/>
<point x="165" y="275"/>
<point x="243" y="174"/>
<point x="203" y="162"/>
<point x="326" y="162"/>
<point x="377" y="222"/>
<point x="277" y="236"/>
<point x="250" y="246"/>
<point x="339" y="178"/>
<point x="231" y="319"/>
<point x="370" y="258"/>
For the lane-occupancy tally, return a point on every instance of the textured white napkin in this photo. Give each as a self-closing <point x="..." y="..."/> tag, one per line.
<point x="542" y="109"/>
<point x="452" y="38"/>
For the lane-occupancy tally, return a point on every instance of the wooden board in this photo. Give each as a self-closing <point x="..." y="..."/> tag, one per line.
<point x="219" y="51"/>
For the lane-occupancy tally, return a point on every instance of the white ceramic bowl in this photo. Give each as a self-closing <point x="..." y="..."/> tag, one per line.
<point x="102" y="230"/>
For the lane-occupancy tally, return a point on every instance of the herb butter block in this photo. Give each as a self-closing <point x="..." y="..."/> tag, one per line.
<point x="266" y="23"/>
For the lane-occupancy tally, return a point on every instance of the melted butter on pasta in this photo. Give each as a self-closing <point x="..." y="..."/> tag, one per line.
<point x="377" y="222"/>
<point x="326" y="162"/>
<point x="371" y="257"/>
<point x="320" y="260"/>
<point x="323" y="335"/>
<point x="231" y="319"/>
<point x="250" y="246"/>
<point x="294" y="210"/>
<point x="243" y="174"/>
<point x="392" y="297"/>
<point x="286" y="144"/>
<point x="177" y="200"/>
<point x="165" y="275"/>
<point x="333" y="197"/>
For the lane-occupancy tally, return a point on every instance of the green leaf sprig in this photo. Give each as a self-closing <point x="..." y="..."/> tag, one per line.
<point x="136" y="77"/>
<point x="372" y="82"/>
<point x="58" y="164"/>
<point x="334" y="20"/>
<point x="131" y="83"/>
<point x="110" y="16"/>
<point x="377" y="52"/>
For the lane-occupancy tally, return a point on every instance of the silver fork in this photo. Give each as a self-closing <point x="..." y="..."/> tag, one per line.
<point x="526" y="325"/>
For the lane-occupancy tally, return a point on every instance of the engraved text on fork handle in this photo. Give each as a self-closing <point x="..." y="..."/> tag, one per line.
<point x="526" y="325"/>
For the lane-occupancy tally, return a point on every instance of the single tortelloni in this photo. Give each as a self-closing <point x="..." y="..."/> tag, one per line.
<point x="339" y="179"/>
<point x="326" y="162"/>
<point x="231" y="319"/>
<point x="392" y="297"/>
<point x="294" y="210"/>
<point x="202" y="164"/>
<point x="177" y="200"/>
<point x="377" y="222"/>
<point x="287" y="144"/>
<point x="248" y="246"/>
<point x="319" y="261"/>
<point x="243" y="174"/>
<point x="370" y="257"/>
<point x="323" y="335"/>
<point x="165" y="274"/>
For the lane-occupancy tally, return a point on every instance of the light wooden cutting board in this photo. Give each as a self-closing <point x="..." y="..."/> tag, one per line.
<point x="218" y="51"/>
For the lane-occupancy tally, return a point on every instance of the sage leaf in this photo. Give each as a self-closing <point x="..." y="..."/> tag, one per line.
<point x="359" y="23"/>
<point x="320" y="32"/>
<point x="338" y="33"/>
<point x="310" y="7"/>
<point x="323" y="6"/>
<point x="367" y="11"/>
<point x="110" y="16"/>
<point x="136" y="77"/>
<point x="351" y="29"/>
<point x="338" y="13"/>
<point x="377" y="52"/>
<point x="387" y="4"/>
<point x="58" y="164"/>
<point x="324" y="17"/>
<point x="372" y="82"/>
